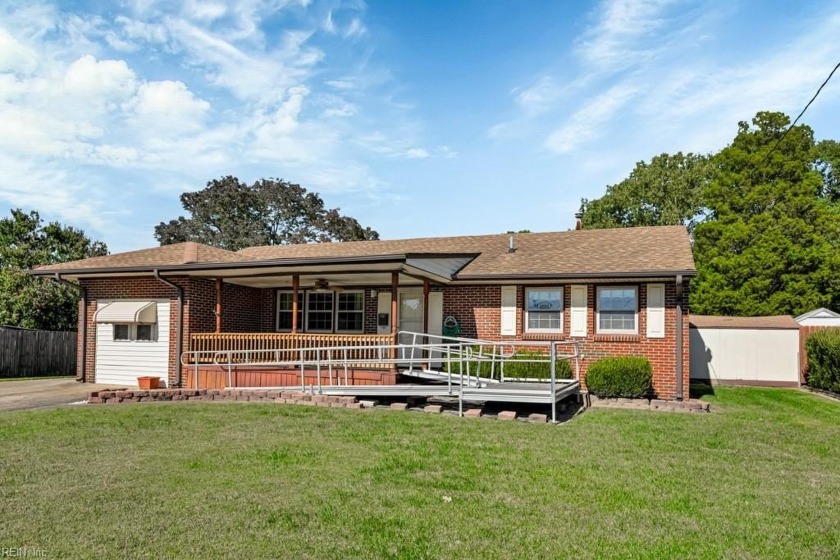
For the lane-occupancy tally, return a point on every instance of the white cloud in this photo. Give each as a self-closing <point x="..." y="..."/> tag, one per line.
<point x="100" y="81"/>
<point x="615" y="39"/>
<point x="591" y="120"/>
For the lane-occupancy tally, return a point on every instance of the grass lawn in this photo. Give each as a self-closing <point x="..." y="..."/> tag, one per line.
<point x="760" y="479"/>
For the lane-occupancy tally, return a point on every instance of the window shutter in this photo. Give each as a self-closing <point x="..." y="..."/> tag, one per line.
<point x="578" y="325"/>
<point x="509" y="310"/>
<point x="656" y="310"/>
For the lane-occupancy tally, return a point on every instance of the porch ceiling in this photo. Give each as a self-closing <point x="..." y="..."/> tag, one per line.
<point x="334" y="279"/>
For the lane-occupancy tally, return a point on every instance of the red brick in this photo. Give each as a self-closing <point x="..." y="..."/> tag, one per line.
<point x="507" y="415"/>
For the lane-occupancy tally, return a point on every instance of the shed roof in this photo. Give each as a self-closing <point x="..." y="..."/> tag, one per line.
<point x="821" y="313"/>
<point x="720" y="322"/>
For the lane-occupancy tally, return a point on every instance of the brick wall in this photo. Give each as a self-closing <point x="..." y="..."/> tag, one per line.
<point x="478" y="309"/>
<point x="243" y="310"/>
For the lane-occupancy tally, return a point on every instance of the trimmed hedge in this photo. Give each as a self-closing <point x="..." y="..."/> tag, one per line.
<point x="823" y="349"/>
<point x="620" y="376"/>
<point x="522" y="370"/>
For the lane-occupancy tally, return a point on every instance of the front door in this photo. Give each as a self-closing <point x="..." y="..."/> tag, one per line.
<point x="410" y="314"/>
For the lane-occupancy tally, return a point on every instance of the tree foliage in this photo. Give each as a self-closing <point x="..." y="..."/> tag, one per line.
<point x="666" y="191"/>
<point x="770" y="243"/>
<point x="25" y="242"/>
<point x="232" y="215"/>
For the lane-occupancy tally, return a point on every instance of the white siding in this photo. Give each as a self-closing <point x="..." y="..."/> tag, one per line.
<point x="123" y="361"/>
<point x="578" y="311"/>
<point x="820" y="322"/>
<point x="753" y="355"/>
<point x="508" y="310"/>
<point x="656" y="310"/>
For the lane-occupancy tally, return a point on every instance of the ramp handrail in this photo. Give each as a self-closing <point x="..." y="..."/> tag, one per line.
<point x="446" y="350"/>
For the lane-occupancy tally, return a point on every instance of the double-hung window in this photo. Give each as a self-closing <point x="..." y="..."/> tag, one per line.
<point x="284" y="311"/>
<point x="544" y="310"/>
<point x="618" y="309"/>
<point x="350" y="316"/>
<point x="323" y="311"/>
<point x="319" y="311"/>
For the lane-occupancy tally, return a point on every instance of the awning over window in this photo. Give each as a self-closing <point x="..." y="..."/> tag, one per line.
<point x="128" y="312"/>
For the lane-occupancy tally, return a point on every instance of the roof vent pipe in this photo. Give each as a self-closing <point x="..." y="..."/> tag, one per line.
<point x="511" y="245"/>
<point x="578" y="221"/>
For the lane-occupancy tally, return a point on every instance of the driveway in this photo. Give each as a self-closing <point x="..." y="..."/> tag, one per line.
<point x="42" y="393"/>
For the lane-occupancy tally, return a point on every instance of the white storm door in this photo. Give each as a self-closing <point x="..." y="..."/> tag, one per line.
<point x="410" y="319"/>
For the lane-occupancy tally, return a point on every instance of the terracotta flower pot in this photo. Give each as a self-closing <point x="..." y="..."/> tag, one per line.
<point x="148" y="382"/>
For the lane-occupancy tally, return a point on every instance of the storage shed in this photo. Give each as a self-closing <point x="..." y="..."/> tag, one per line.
<point x="821" y="317"/>
<point x="745" y="350"/>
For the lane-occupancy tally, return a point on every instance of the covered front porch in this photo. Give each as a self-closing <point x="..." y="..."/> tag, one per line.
<point x="273" y="325"/>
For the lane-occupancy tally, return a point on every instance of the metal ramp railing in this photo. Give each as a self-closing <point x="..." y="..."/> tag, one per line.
<point x="479" y="365"/>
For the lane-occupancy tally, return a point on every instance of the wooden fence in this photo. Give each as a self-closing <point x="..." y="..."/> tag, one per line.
<point x="28" y="353"/>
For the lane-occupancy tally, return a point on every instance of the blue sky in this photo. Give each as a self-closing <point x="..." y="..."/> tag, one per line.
<point x="418" y="118"/>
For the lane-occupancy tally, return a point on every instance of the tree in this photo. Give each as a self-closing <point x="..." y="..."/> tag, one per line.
<point x="25" y="243"/>
<point x="232" y="215"/>
<point x="666" y="191"/>
<point x="770" y="243"/>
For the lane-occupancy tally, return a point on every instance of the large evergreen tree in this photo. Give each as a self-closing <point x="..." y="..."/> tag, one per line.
<point x="36" y="303"/>
<point x="770" y="243"/>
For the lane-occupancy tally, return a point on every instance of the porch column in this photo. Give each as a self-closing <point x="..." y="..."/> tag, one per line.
<point x="218" y="305"/>
<point x="395" y="281"/>
<point x="295" y="288"/>
<point x="426" y="319"/>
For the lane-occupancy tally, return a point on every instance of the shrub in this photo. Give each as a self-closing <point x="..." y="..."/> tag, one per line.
<point x="823" y="349"/>
<point x="515" y="368"/>
<point x="620" y="376"/>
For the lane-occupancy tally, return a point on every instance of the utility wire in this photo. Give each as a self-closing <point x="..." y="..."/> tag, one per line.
<point x="782" y="137"/>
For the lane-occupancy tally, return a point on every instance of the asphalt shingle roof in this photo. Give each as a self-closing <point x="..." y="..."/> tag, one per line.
<point x="720" y="322"/>
<point x="646" y="250"/>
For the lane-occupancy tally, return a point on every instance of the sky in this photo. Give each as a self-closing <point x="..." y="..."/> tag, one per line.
<point x="426" y="118"/>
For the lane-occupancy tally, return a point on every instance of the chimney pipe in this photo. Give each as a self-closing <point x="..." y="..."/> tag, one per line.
<point x="578" y="221"/>
<point x="511" y="245"/>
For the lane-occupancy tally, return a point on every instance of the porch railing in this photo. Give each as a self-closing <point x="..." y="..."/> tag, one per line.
<point x="365" y="349"/>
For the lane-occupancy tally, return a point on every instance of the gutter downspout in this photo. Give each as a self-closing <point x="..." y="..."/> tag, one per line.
<point x="83" y="293"/>
<point x="679" y="337"/>
<point x="180" y="329"/>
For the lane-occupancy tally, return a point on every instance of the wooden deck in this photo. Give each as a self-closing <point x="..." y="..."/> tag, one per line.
<point x="217" y="377"/>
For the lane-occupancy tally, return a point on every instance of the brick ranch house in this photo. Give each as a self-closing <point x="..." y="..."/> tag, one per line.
<point x="616" y="292"/>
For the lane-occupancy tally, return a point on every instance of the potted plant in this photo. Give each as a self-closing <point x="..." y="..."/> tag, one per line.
<point x="148" y="382"/>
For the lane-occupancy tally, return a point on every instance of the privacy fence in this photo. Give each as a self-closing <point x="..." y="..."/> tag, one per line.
<point x="27" y="353"/>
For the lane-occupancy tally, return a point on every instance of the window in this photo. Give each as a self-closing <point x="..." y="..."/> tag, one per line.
<point x="134" y="331"/>
<point x="350" y="316"/>
<point x="323" y="311"/>
<point x="145" y="332"/>
<point x="319" y="311"/>
<point x="284" y="311"/>
<point x="544" y="309"/>
<point x="617" y="309"/>
<point x="122" y="332"/>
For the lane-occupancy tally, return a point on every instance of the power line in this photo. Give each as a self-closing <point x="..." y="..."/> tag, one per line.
<point x="796" y="120"/>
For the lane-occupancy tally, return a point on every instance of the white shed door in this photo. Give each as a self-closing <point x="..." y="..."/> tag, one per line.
<point x="121" y="362"/>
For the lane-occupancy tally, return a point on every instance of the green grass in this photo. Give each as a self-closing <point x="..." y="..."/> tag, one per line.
<point x="760" y="479"/>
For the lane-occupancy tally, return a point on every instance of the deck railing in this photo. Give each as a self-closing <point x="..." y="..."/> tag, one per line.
<point x="366" y="349"/>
